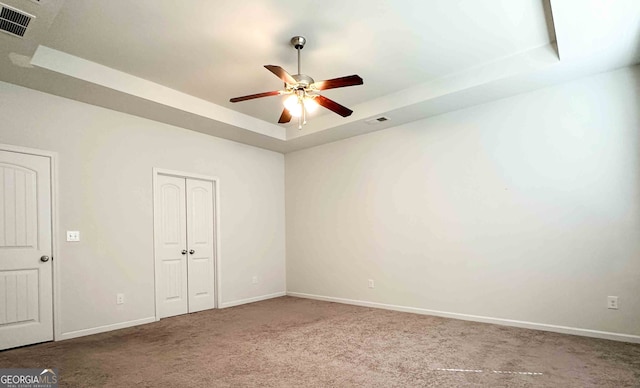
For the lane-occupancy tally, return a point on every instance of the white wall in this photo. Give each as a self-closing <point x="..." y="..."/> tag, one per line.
<point x="105" y="186"/>
<point x="527" y="208"/>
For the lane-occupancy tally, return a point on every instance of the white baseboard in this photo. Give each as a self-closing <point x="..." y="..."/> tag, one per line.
<point x="122" y="325"/>
<point x="102" y="329"/>
<point x="251" y="300"/>
<point x="478" y="318"/>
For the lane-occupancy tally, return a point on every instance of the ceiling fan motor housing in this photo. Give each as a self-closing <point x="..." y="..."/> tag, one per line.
<point x="303" y="81"/>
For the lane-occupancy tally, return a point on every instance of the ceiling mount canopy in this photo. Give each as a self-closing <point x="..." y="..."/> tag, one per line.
<point x="302" y="91"/>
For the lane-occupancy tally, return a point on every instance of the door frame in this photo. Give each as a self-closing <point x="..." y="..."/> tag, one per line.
<point x="55" y="257"/>
<point x="217" y="273"/>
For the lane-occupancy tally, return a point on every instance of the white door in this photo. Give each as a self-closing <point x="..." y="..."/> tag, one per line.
<point x="184" y="245"/>
<point x="26" y="297"/>
<point x="200" y="244"/>
<point x="171" y="245"/>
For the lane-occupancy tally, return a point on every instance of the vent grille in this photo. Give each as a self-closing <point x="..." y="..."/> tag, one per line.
<point x="377" y="120"/>
<point x="13" y="21"/>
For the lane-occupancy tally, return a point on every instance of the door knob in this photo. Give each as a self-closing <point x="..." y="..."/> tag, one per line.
<point x="184" y="251"/>
<point x="44" y="259"/>
<point x="191" y="252"/>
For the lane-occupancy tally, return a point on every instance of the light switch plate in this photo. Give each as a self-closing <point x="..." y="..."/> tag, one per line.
<point x="73" y="235"/>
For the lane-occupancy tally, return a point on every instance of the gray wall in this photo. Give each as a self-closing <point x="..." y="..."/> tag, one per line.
<point x="105" y="192"/>
<point x="527" y="208"/>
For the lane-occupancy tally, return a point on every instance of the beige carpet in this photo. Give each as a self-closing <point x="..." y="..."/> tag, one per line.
<point x="291" y="342"/>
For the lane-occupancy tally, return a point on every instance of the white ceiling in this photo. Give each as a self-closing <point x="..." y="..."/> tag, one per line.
<point x="180" y="62"/>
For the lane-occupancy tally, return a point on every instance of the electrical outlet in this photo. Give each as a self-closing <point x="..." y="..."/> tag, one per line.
<point x="73" y="235"/>
<point x="612" y="302"/>
<point x="254" y="280"/>
<point x="371" y="283"/>
<point x="119" y="298"/>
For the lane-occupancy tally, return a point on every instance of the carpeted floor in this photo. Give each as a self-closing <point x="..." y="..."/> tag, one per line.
<point x="291" y="342"/>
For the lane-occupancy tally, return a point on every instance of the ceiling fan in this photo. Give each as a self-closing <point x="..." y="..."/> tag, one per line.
<point x="303" y="91"/>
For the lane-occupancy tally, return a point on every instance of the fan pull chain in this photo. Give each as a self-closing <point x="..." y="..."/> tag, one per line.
<point x="304" y="112"/>
<point x="300" y="123"/>
<point x="302" y="119"/>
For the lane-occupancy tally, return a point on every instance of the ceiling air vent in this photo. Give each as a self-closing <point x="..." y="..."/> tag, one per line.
<point x="377" y="120"/>
<point x="13" y="21"/>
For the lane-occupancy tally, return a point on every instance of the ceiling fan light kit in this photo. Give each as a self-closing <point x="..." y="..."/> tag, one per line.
<point x="302" y="91"/>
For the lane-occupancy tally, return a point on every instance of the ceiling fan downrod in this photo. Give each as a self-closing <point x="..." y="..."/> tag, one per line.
<point x="298" y="42"/>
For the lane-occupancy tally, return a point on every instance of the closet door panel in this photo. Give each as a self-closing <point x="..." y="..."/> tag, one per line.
<point x="200" y="240"/>
<point x="171" y="245"/>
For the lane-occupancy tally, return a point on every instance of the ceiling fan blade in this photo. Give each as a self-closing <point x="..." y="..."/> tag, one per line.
<point x="350" y="80"/>
<point x="281" y="73"/>
<point x="333" y="106"/>
<point x="285" y="117"/>
<point x="258" y="95"/>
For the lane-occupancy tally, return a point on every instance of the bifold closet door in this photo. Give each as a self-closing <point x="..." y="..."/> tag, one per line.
<point x="184" y="245"/>
<point x="170" y="245"/>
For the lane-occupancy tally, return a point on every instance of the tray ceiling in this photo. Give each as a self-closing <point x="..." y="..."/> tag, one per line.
<point x="181" y="62"/>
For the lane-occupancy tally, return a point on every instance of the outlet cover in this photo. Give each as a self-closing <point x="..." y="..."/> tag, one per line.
<point x="254" y="280"/>
<point x="119" y="298"/>
<point x="612" y="302"/>
<point x="73" y="235"/>
<point x="371" y="283"/>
